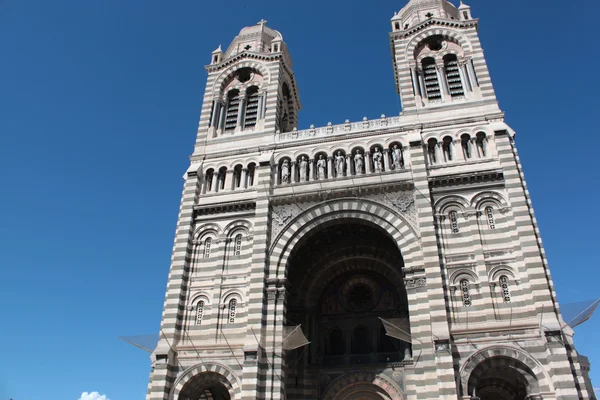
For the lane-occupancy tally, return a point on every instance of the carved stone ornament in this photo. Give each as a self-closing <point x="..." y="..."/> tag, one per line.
<point x="403" y="201"/>
<point x="271" y="294"/>
<point x="282" y="214"/>
<point x="416" y="283"/>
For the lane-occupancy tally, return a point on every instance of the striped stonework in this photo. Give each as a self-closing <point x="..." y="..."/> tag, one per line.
<point x="423" y="220"/>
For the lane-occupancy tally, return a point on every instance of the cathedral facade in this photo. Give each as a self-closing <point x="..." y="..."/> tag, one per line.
<point x="394" y="258"/>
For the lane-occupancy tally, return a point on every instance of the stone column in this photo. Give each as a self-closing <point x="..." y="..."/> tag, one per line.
<point x="464" y="77"/>
<point x="452" y="151"/>
<point x="222" y="116"/>
<point x="311" y="170"/>
<point x="367" y="162"/>
<point x="240" y="116"/>
<point x="215" y="182"/>
<point x="330" y="167"/>
<point x="386" y="159"/>
<point x="293" y="177"/>
<point x="243" y="183"/>
<point x="441" y="75"/>
<point x="349" y="165"/>
<point x="276" y="177"/>
<point x="439" y="154"/>
<point x="229" y="180"/>
<point x="259" y="110"/>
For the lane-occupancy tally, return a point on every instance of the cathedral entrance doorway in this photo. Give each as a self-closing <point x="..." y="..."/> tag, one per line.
<point x="345" y="277"/>
<point x="205" y="386"/>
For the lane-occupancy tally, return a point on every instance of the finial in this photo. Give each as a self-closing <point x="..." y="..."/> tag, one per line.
<point x="262" y="22"/>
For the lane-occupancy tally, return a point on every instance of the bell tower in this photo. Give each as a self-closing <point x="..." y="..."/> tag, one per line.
<point x="250" y="87"/>
<point x="438" y="60"/>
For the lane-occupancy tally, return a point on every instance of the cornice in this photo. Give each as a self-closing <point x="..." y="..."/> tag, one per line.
<point x="451" y="23"/>
<point x="470" y="178"/>
<point x="222" y="207"/>
<point x="244" y="55"/>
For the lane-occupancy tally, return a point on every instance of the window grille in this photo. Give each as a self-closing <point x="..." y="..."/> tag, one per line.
<point x="238" y="245"/>
<point x="207" y="244"/>
<point x="233" y="108"/>
<point x="454" y="222"/>
<point x="199" y="312"/>
<point x="432" y="84"/>
<point x="489" y="212"/>
<point x="455" y="85"/>
<point x="232" y="309"/>
<point x="505" y="288"/>
<point x="466" y="293"/>
<point x="251" y="114"/>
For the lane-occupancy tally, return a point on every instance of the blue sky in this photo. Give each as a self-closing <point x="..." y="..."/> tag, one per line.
<point x="99" y="106"/>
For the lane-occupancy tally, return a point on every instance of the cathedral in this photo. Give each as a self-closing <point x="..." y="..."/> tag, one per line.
<point x="389" y="258"/>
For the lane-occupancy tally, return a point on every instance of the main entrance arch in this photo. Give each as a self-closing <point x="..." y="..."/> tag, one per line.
<point x="344" y="269"/>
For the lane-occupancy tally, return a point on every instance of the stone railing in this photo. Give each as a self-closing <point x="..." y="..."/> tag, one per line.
<point x="340" y="129"/>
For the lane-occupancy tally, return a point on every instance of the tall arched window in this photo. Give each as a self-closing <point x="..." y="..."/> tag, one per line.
<point x="233" y="109"/>
<point x="489" y="213"/>
<point x="237" y="246"/>
<point x="505" y="288"/>
<point x="453" y="215"/>
<point x="232" y="310"/>
<point x="465" y="143"/>
<point x="432" y="84"/>
<point x="432" y="151"/>
<point x="447" y="147"/>
<point x="453" y="75"/>
<point x="199" y="312"/>
<point x="208" y="180"/>
<point x="251" y="112"/>
<point x="336" y="342"/>
<point x="360" y="340"/>
<point x="466" y="292"/>
<point x="481" y="141"/>
<point x="207" y="244"/>
<point x="250" y="177"/>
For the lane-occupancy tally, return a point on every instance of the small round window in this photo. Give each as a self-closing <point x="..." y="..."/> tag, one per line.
<point x="244" y="75"/>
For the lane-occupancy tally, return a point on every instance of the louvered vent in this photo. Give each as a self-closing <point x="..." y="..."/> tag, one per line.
<point x="251" y="114"/>
<point x="432" y="84"/>
<point x="233" y="108"/>
<point x="453" y="75"/>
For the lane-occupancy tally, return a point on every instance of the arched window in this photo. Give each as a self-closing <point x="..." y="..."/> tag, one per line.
<point x="466" y="292"/>
<point x="336" y="342"/>
<point x="385" y="342"/>
<point x="251" y="112"/>
<point x="448" y="151"/>
<point x="465" y="142"/>
<point x="207" y="244"/>
<point x="432" y="84"/>
<point x="250" y="177"/>
<point x="222" y="178"/>
<point x="199" y="312"/>
<point x="432" y="150"/>
<point x="360" y="340"/>
<point x="481" y="141"/>
<point x="233" y="109"/>
<point x="505" y="288"/>
<point x="489" y="213"/>
<point x="208" y="180"/>
<point x="237" y="176"/>
<point x="451" y="68"/>
<point x="237" y="249"/>
<point x="453" y="215"/>
<point x="232" y="309"/>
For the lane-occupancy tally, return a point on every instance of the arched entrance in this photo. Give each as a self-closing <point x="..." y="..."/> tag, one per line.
<point x="207" y="385"/>
<point x="344" y="275"/>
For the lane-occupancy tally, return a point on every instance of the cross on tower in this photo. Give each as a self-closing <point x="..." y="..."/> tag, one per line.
<point x="262" y="22"/>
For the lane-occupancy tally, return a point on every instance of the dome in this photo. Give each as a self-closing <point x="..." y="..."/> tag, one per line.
<point x="256" y="38"/>
<point x="417" y="10"/>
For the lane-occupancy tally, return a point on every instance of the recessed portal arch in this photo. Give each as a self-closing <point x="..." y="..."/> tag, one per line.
<point x="206" y="381"/>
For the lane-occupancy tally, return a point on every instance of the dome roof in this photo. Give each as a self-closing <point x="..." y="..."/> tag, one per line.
<point x="444" y="7"/>
<point x="257" y="38"/>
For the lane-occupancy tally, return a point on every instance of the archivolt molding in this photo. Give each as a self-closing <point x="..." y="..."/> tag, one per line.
<point x="209" y="229"/>
<point x="444" y="204"/>
<point x="229" y="72"/>
<point x="402" y="202"/>
<point x="451" y="34"/>
<point x="228" y="378"/>
<point x="497" y="271"/>
<point x="463" y="273"/>
<point x="508" y="351"/>
<point x="479" y="200"/>
<point x="343" y="386"/>
<point x="237" y="226"/>
<point x="285" y="237"/>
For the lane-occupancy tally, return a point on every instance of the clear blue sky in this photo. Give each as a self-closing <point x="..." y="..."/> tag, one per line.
<point x="99" y="107"/>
